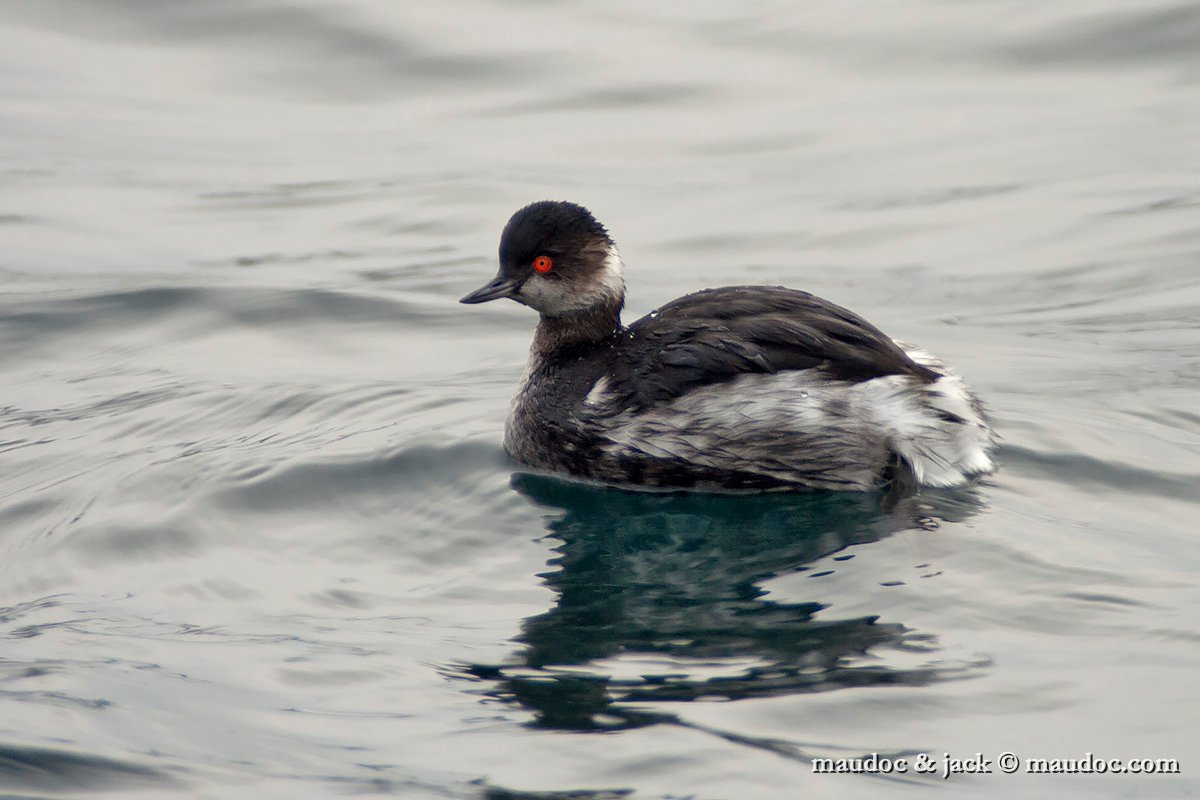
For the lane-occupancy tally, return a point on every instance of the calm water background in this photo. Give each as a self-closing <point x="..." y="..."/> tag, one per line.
<point x="258" y="536"/>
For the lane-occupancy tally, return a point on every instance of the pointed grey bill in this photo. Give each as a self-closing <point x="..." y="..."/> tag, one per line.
<point x="500" y="286"/>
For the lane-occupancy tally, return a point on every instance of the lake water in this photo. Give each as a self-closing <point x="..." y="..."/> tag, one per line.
<point x="258" y="537"/>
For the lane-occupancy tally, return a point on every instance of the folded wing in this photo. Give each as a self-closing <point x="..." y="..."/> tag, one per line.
<point x="715" y="335"/>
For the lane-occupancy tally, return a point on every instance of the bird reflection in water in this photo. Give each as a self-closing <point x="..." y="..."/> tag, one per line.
<point x="673" y="584"/>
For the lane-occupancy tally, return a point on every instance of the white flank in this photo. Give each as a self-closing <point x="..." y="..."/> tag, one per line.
<point x="942" y="453"/>
<point x="803" y="425"/>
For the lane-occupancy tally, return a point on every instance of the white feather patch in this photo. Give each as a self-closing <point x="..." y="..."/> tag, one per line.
<point x="803" y="426"/>
<point x="612" y="275"/>
<point x="597" y="394"/>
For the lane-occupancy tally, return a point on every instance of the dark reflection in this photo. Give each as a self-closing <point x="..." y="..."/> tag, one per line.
<point x="680" y="575"/>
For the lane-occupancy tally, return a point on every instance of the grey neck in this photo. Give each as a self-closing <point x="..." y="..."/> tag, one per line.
<point x="558" y="333"/>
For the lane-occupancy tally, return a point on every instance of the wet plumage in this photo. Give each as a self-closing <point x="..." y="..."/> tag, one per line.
<point x="744" y="387"/>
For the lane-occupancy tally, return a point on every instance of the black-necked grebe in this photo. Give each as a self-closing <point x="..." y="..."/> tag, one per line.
<point x="744" y="387"/>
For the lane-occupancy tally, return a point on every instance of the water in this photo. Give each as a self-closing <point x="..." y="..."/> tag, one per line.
<point x="258" y="537"/>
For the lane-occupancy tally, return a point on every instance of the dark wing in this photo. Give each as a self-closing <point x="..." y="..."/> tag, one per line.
<point x="718" y="334"/>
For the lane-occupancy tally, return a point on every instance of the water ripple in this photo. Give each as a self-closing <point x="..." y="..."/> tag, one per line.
<point x="39" y="769"/>
<point x="1077" y="469"/>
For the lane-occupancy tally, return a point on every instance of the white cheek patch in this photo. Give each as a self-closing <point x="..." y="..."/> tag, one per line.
<point x="540" y="294"/>
<point x="550" y="295"/>
<point x="611" y="281"/>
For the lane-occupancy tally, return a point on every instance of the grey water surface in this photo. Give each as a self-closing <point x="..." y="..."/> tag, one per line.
<point x="258" y="537"/>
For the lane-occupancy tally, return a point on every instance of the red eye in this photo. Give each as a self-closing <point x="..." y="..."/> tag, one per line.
<point x="543" y="264"/>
